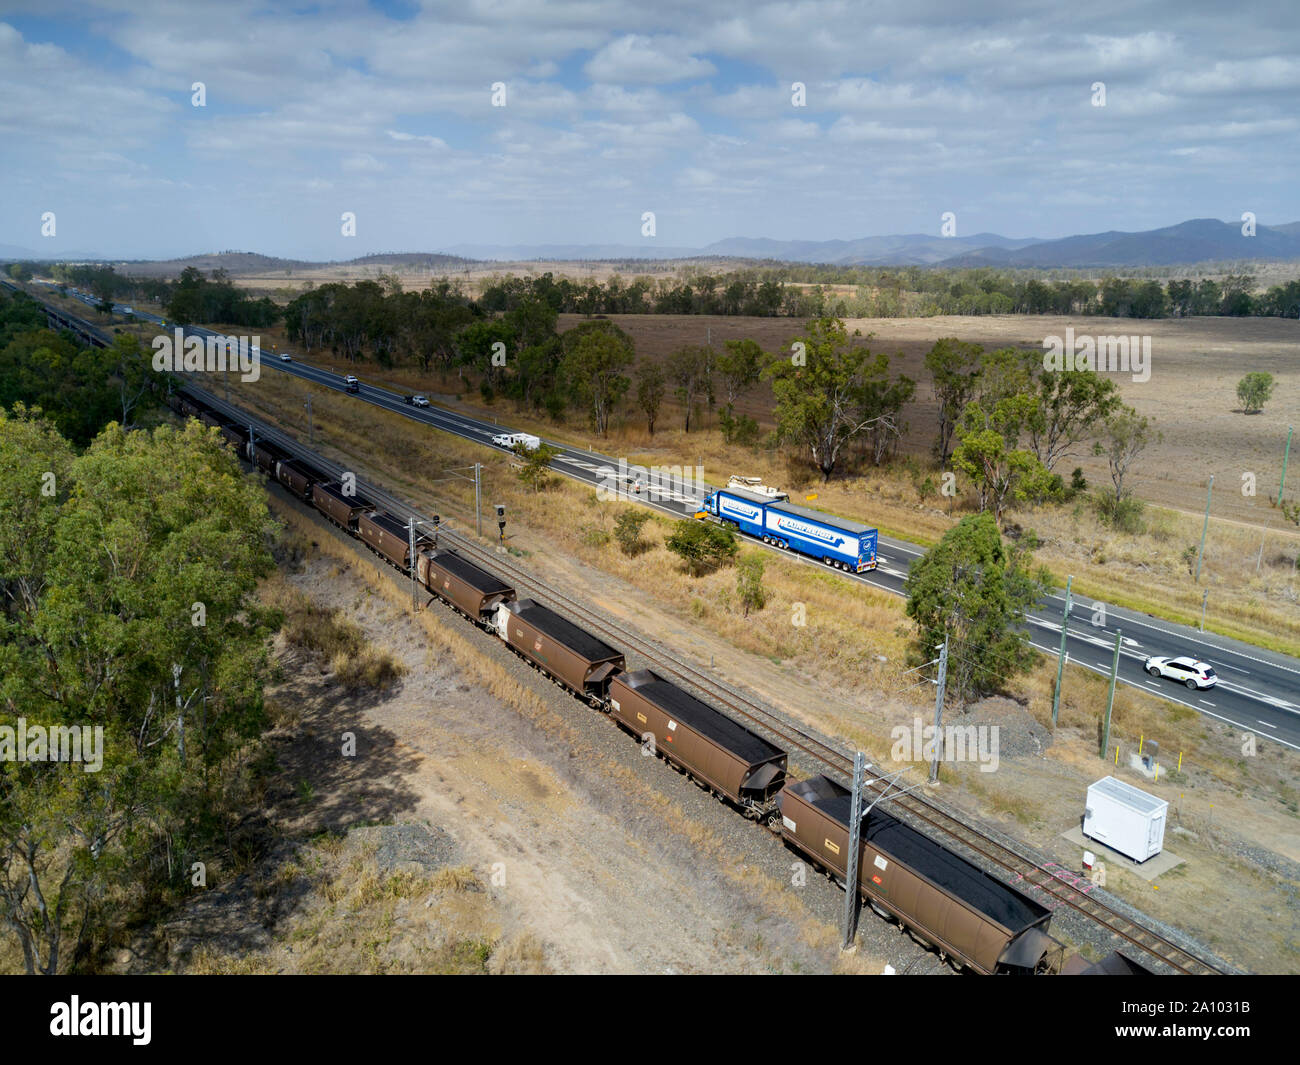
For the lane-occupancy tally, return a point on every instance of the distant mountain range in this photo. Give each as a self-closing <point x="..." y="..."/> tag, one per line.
<point x="1197" y="241"/>
<point x="1201" y="240"/>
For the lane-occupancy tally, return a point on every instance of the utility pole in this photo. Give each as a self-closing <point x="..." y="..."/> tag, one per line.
<point x="1204" y="529"/>
<point x="851" y="859"/>
<point x="410" y="559"/>
<point x="478" y="515"/>
<point x="1060" y="656"/>
<point x="1205" y="595"/>
<point x="252" y="443"/>
<point x="1285" y="455"/>
<point x="938" y="709"/>
<point x="1110" y="698"/>
<point x="311" y="435"/>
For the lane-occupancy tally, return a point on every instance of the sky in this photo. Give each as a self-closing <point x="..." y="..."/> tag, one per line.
<point x="615" y="108"/>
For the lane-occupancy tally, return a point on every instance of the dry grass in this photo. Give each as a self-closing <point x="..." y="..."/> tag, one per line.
<point x="356" y="920"/>
<point x="370" y="669"/>
<point x="355" y="663"/>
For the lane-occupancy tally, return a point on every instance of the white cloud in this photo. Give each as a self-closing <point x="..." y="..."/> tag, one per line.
<point x="647" y="59"/>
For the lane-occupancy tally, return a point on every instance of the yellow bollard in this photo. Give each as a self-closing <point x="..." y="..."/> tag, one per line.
<point x="1141" y="742"/>
<point x="1156" y="778"/>
<point x="1180" y="761"/>
<point x="1117" y="754"/>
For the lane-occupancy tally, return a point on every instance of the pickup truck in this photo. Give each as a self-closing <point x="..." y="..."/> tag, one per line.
<point x="351" y="384"/>
<point x="417" y="401"/>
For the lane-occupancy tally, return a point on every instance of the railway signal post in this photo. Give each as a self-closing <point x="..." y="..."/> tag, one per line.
<point x="855" y="842"/>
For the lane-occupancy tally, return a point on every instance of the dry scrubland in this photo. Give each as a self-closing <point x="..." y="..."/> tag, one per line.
<point x="844" y="673"/>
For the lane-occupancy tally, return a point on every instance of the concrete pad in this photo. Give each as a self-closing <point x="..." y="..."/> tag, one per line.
<point x="1148" y="870"/>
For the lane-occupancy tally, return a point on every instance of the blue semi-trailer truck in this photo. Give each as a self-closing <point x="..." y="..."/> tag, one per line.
<point x="772" y="518"/>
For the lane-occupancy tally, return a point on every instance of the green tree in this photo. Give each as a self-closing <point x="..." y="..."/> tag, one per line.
<point x="820" y="395"/>
<point x="627" y="530"/>
<point x="975" y="591"/>
<point x="1124" y="436"/>
<point x="1254" y="390"/>
<point x="1071" y="404"/>
<point x="650" y="388"/>
<point x="739" y="365"/>
<point x="954" y="366"/>
<point x="988" y="454"/>
<point x="536" y="469"/>
<point x="595" y="355"/>
<point x="689" y="369"/>
<point x="703" y="546"/>
<point x="749" y="581"/>
<point x="137" y="615"/>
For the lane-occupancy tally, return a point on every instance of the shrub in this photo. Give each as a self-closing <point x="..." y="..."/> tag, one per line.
<point x="703" y="546"/>
<point x="627" y="531"/>
<point x="749" y="582"/>
<point x="1254" y="390"/>
<point x="1123" y="514"/>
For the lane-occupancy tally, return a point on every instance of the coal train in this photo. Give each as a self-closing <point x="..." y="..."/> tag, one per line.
<point x="944" y="901"/>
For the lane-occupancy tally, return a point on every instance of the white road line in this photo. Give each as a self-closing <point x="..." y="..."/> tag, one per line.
<point x="1265" y="723"/>
<point x="1204" y="703"/>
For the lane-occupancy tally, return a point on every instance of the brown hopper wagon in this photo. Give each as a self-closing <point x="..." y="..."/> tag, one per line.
<point x="298" y="476"/>
<point x="571" y="655"/>
<point x="265" y="456"/>
<point x="342" y="509"/>
<point x="945" y="901"/>
<point x="473" y="591"/>
<point x="389" y="537"/>
<point x="710" y="746"/>
<point x="236" y="439"/>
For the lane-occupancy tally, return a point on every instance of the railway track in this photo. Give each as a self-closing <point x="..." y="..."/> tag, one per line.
<point x="1017" y="867"/>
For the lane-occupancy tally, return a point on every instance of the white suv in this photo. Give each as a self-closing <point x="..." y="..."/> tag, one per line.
<point x="1194" y="674"/>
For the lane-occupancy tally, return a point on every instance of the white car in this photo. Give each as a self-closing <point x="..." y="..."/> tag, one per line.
<point x="285" y="357"/>
<point x="1196" y="675"/>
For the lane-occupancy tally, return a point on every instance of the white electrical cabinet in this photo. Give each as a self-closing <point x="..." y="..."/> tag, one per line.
<point x="1125" y="819"/>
